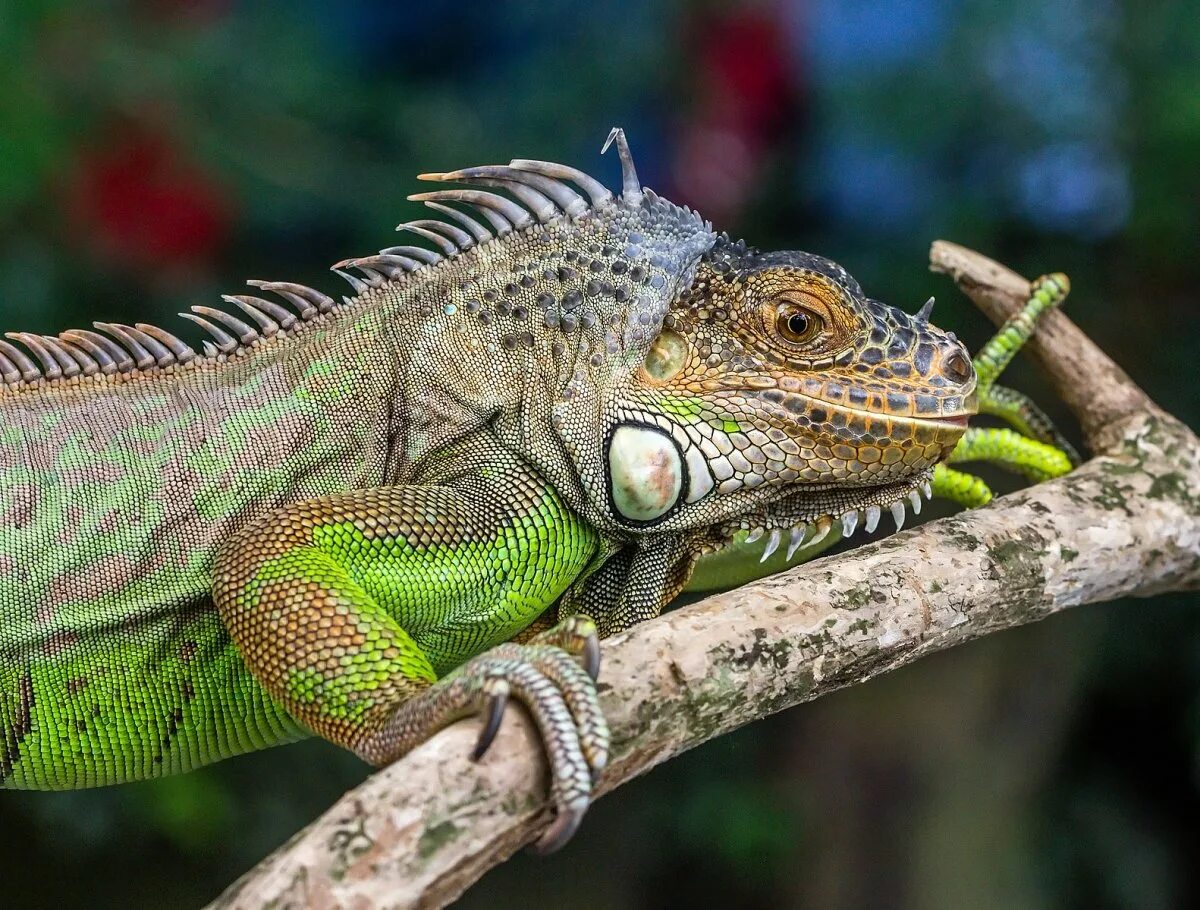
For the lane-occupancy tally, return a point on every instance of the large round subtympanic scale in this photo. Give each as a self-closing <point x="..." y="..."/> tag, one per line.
<point x="645" y="472"/>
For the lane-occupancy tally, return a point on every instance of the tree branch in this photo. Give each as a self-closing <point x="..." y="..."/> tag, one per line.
<point x="1127" y="523"/>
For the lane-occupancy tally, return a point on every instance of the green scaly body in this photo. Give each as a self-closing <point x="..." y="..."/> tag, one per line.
<point x="116" y="666"/>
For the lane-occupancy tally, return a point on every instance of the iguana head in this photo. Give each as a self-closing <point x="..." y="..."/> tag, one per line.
<point x="778" y="397"/>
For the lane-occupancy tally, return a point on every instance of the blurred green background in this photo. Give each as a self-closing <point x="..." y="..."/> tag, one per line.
<point x="155" y="154"/>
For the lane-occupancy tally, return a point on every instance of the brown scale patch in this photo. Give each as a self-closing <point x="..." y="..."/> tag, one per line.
<point x="23" y="501"/>
<point x="110" y="522"/>
<point x="74" y="517"/>
<point x="105" y="576"/>
<point x="98" y="472"/>
<point x="144" y="448"/>
<point x="59" y="643"/>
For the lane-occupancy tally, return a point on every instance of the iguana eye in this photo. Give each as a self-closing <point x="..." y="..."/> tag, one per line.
<point x="798" y="324"/>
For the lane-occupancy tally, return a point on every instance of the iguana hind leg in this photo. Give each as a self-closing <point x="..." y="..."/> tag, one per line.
<point x="369" y="616"/>
<point x="1037" y="450"/>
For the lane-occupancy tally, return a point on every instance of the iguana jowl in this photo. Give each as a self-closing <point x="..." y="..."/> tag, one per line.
<point x="336" y="517"/>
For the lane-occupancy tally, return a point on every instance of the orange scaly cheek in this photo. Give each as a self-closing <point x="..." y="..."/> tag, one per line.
<point x="863" y="449"/>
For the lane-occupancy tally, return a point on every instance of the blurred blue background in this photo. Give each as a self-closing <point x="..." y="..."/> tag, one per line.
<point x="155" y="154"/>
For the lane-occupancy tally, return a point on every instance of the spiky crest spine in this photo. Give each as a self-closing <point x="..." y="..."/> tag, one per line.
<point x="542" y="193"/>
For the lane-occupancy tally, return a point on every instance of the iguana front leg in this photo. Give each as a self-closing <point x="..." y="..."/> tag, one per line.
<point x="369" y="616"/>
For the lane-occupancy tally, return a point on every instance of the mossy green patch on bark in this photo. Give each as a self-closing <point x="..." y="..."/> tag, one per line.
<point x="437" y="836"/>
<point x="855" y="598"/>
<point x="1111" y="497"/>
<point x="349" y="843"/>
<point x="1172" y="485"/>
<point x="1019" y="562"/>
<point x="862" y="626"/>
<point x="962" y="539"/>
<point x="776" y="653"/>
<point x="515" y="805"/>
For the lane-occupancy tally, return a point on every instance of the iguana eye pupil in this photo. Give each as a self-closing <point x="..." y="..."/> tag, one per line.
<point x="797" y="325"/>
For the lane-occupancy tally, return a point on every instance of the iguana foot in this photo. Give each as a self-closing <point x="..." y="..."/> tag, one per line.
<point x="576" y="634"/>
<point x="547" y="677"/>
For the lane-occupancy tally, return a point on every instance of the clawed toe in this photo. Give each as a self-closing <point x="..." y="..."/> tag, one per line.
<point x="553" y="679"/>
<point x="556" y="685"/>
<point x="497" y="702"/>
<point x="578" y="636"/>
<point x="561" y="830"/>
<point x="591" y="656"/>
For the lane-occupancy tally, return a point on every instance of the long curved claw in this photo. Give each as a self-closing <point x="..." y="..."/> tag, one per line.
<point x="577" y="635"/>
<point x="578" y="693"/>
<point x="591" y="657"/>
<point x="571" y="774"/>
<point x="497" y="702"/>
<point x="560" y="698"/>
<point x="561" y="830"/>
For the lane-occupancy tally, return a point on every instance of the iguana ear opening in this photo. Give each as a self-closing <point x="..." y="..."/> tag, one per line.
<point x="666" y="357"/>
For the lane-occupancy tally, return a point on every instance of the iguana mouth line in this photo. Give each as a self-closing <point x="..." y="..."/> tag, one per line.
<point x="953" y="420"/>
<point x="938" y="422"/>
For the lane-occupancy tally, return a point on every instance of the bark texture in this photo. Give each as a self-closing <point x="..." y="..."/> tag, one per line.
<point x="418" y="833"/>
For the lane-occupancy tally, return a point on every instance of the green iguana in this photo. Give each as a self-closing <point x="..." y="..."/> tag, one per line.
<point x="362" y="519"/>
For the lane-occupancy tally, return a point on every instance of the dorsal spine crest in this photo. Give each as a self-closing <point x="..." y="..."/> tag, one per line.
<point x="543" y="193"/>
